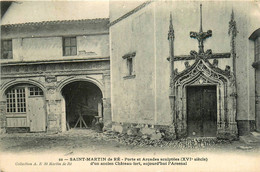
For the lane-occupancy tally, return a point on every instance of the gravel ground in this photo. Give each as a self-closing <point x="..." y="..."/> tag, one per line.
<point x="17" y="149"/>
<point x="89" y="141"/>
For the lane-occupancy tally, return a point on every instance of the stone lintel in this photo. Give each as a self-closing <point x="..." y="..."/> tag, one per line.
<point x="191" y="57"/>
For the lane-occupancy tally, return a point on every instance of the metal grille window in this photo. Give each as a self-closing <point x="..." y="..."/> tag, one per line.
<point x="35" y="91"/>
<point x="6" y="49"/>
<point x="69" y="46"/>
<point x="16" y="100"/>
<point x="11" y="101"/>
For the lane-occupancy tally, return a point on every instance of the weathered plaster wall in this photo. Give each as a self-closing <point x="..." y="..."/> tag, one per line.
<point x="31" y="43"/>
<point x="133" y="98"/>
<point x="35" y="48"/>
<point x="93" y="46"/>
<point x="186" y="18"/>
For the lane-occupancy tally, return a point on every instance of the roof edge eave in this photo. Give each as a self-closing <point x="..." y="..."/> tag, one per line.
<point x="96" y="20"/>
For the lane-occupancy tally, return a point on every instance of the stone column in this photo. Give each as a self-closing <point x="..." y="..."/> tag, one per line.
<point x="107" y="118"/>
<point x="2" y="116"/>
<point x="54" y="110"/>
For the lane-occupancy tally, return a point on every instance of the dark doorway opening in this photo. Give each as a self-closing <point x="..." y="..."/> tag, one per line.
<point x="83" y="104"/>
<point x="201" y="111"/>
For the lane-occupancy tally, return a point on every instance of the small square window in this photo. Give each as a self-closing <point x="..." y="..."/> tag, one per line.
<point x="69" y="46"/>
<point x="6" y="49"/>
<point x="130" y="62"/>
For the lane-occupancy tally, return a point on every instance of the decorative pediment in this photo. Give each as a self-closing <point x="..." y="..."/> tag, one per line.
<point x="202" y="69"/>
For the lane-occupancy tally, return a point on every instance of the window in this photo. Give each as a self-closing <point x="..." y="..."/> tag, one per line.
<point x="35" y="91"/>
<point x="130" y="65"/>
<point x="16" y="100"/>
<point x="69" y="46"/>
<point x="6" y="49"/>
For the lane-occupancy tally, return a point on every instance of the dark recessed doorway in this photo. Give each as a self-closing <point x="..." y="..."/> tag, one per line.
<point x="83" y="104"/>
<point x="201" y="111"/>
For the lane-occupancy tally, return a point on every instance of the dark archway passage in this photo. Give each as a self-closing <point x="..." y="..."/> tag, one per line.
<point x="83" y="104"/>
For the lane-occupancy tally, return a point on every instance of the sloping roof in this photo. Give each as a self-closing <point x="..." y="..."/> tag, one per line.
<point x="4" y="6"/>
<point x="98" y="20"/>
<point x="54" y="11"/>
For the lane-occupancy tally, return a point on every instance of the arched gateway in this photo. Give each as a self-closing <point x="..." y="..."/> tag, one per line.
<point x="83" y="104"/>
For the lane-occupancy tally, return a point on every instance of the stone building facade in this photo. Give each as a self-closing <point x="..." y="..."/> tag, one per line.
<point x="189" y="74"/>
<point x="177" y="69"/>
<point x="54" y="72"/>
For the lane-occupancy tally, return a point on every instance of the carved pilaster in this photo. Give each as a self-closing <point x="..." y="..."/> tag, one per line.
<point x="232" y="31"/>
<point x="172" y="72"/>
<point x="171" y="52"/>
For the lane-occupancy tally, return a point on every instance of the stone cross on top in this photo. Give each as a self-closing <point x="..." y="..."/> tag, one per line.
<point x="201" y="36"/>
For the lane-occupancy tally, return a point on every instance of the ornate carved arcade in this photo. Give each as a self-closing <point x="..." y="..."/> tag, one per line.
<point x="203" y="73"/>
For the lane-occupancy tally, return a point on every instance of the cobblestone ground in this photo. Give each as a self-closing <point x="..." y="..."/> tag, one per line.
<point x="88" y="141"/>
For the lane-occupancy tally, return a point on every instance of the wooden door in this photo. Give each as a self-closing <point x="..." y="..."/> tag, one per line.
<point x="36" y="113"/>
<point x="201" y="111"/>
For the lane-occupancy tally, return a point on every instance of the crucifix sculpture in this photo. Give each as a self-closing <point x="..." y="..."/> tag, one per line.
<point x="201" y="36"/>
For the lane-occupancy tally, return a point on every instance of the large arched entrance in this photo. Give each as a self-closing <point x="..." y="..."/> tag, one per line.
<point x="25" y="108"/>
<point x="83" y="102"/>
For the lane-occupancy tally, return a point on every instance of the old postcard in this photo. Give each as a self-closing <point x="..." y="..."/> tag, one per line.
<point x="157" y="86"/>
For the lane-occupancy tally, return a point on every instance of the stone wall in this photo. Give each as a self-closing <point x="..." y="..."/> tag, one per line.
<point x="51" y="80"/>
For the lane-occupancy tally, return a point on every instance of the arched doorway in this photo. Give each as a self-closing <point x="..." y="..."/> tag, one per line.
<point x="25" y="108"/>
<point x="83" y="102"/>
<point x="205" y="104"/>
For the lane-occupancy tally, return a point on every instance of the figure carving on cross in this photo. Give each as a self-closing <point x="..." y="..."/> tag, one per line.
<point x="201" y="36"/>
